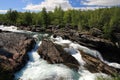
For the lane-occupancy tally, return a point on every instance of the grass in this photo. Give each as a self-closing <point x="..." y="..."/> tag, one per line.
<point x="117" y="77"/>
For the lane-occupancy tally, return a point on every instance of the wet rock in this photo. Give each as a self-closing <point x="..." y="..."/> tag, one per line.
<point x="95" y="65"/>
<point x="0" y="30"/>
<point x="105" y="47"/>
<point x="54" y="54"/>
<point x="13" y="52"/>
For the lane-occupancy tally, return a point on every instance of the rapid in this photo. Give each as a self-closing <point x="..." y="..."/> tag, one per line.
<point x="39" y="69"/>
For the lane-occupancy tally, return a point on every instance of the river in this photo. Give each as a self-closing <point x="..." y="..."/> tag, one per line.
<point x="39" y="69"/>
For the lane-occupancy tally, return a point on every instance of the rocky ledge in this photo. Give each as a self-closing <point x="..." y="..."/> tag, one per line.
<point x="94" y="65"/>
<point x="54" y="54"/>
<point x="13" y="53"/>
<point x="109" y="50"/>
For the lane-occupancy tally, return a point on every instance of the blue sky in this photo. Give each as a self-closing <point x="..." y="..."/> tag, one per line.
<point x="36" y="5"/>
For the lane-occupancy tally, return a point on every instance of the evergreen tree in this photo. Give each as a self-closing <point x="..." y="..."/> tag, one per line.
<point x="12" y="16"/>
<point x="44" y="17"/>
<point x="27" y="18"/>
<point x="58" y="16"/>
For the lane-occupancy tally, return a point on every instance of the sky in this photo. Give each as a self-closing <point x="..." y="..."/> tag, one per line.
<point x="37" y="5"/>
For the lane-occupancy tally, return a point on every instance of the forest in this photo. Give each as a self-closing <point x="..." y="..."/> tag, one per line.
<point x="105" y="19"/>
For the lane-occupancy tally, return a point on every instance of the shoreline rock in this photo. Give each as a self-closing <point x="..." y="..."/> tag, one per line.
<point x="95" y="65"/>
<point x="13" y="53"/>
<point x="108" y="50"/>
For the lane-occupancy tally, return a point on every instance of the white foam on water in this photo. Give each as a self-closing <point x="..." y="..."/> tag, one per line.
<point x="8" y="28"/>
<point x="77" y="47"/>
<point x="60" y="41"/>
<point x="12" y="29"/>
<point x="116" y="65"/>
<point x="76" y="54"/>
<point x="73" y="48"/>
<point x="86" y="75"/>
<point x="39" y="69"/>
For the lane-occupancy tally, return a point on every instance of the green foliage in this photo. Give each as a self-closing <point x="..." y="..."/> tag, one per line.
<point x="27" y="20"/>
<point x="67" y="17"/>
<point x="106" y="19"/>
<point x="58" y="16"/>
<point x="2" y="18"/>
<point x="117" y="77"/>
<point x="12" y="16"/>
<point x="44" y="17"/>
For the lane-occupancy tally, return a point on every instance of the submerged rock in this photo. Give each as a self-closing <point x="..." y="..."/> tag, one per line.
<point x="54" y="53"/>
<point x="13" y="53"/>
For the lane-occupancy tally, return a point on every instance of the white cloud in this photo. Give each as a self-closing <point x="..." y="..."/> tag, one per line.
<point x="49" y="5"/>
<point x="26" y="1"/>
<point x="3" y="11"/>
<point x="65" y="4"/>
<point x="101" y="2"/>
<point x="87" y="8"/>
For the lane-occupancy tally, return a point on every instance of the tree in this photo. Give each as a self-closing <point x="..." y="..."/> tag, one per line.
<point x="27" y="19"/>
<point x="58" y="16"/>
<point x="3" y="19"/>
<point x="44" y="17"/>
<point x="67" y="17"/>
<point x="12" y="16"/>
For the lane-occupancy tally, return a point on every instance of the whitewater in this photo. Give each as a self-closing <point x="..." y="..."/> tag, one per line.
<point x="39" y="69"/>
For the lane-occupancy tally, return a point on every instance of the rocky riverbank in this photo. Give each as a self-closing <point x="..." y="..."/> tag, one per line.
<point x="92" y="39"/>
<point x="55" y="54"/>
<point x="109" y="50"/>
<point x="13" y="53"/>
<point x="14" y="48"/>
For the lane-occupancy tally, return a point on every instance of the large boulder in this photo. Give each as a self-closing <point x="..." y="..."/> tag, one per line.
<point x="94" y="64"/>
<point x="54" y="53"/>
<point x="13" y="53"/>
<point x="105" y="47"/>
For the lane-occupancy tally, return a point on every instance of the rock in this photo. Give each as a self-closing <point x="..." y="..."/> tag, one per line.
<point x="13" y="52"/>
<point x="96" y="32"/>
<point x="116" y="29"/>
<point x="117" y="38"/>
<point x="105" y="47"/>
<point x="0" y="30"/>
<point x="54" y="53"/>
<point x="95" y="65"/>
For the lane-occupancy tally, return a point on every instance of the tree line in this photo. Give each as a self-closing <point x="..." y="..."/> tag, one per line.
<point x="105" y="19"/>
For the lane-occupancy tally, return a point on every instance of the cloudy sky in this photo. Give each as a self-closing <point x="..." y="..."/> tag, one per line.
<point x="37" y="5"/>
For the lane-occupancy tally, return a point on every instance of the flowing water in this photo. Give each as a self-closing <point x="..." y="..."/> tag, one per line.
<point x="12" y="29"/>
<point x="39" y="69"/>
